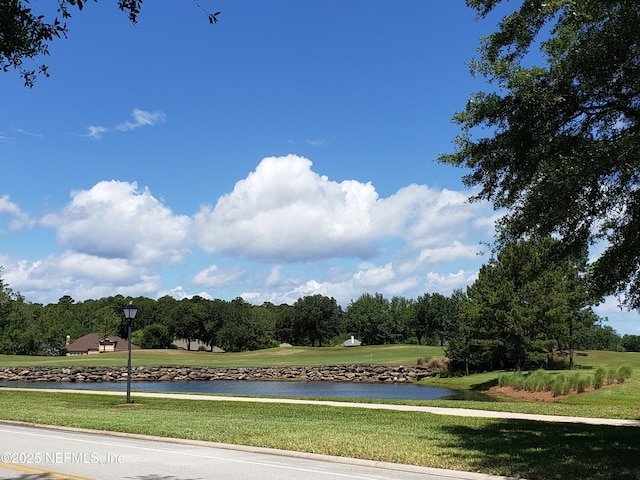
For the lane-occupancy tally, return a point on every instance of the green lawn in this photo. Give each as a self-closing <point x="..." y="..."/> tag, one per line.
<point x="514" y="448"/>
<point x="379" y="354"/>
<point x="532" y="450"/>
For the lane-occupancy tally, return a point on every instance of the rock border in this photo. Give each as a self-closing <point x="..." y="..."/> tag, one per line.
<point x="331" y="373"/>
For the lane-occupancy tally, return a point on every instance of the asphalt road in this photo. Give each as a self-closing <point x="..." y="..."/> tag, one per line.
<point x="30" y="452"/>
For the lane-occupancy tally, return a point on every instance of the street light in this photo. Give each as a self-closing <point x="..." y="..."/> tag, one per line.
<point x="129" y="313"/>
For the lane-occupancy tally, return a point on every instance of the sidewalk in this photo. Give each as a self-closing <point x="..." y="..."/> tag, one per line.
<point x="461" y="412"/>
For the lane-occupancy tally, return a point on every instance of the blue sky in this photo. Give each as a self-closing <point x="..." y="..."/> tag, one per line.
<point x="286" y="151"/>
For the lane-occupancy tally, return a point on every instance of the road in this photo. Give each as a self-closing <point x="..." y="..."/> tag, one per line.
<point x="32" y="452"/>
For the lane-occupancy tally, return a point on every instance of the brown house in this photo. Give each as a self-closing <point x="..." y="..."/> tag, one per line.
<point x="94" y="343"/>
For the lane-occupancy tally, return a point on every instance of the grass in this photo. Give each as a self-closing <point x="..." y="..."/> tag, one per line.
<point x="514" y="448"/>
<point x="533" y="450"/>
<point x="272" y="357"/>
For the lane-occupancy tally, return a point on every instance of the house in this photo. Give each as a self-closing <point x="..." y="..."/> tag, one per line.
<point x="352" y="342"/>
<point x="95" y="343"/>
<point x="184" y="344"/>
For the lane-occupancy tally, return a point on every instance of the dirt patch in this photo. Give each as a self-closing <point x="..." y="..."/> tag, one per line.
<point x="523" y="395"/>
<point x="530" y="396"/>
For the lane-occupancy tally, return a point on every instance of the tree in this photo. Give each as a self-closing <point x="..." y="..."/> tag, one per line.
<point x="369" y="318"/>
<point x="522" y="304"/>
<point x="424" y="323"/>
<point x="213" y="322"/>
<point x="562" y="151"/>
<point x="318" y="317"/>
<point x="25" y="35"/>
<point x="600" y="337"/>
<point x="286" y="329"/>
<point x="631" y="343"/>
<point x="402" y="312"/>
<point x="241" y="330"/>
<point x="155" y="335"/>
<point x="191" y="313"/>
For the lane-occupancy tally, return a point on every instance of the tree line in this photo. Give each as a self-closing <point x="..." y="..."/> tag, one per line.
<point x="527" y="304"/>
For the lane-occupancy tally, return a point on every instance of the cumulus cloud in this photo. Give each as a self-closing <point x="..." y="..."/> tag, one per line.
<point x="343" y="285"/>
<point x="285" y="211"/>
<point x="285" y="230"/>
<point x="427" y="217"/>
<point x="446" y="283"/>
<point x="17" y="219"/>
<point x="114" y="219"/>
<point x="81" y="276"/>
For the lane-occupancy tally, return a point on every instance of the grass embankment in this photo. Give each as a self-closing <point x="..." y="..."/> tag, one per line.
<point x="515" y="448"/>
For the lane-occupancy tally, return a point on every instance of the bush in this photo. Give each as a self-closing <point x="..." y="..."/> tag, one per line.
<point x="505" y="379"/>
<point x="582" y="383"/>
<point x="558" y="385"/>
<point x="599" y="378"/>
<point x="538" y="381"/>
<point x="623" y="373"/>
<point x="438" y="363"/>
<point x="562" y="384"/>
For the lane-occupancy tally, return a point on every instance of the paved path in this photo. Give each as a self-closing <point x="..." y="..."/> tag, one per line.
<point x="462" y="412"/>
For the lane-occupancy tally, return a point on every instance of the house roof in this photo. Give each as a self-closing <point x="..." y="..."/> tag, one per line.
<point x="92" y="341"/>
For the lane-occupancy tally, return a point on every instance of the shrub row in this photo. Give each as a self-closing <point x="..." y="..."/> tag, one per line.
<point x="563" y="383"/>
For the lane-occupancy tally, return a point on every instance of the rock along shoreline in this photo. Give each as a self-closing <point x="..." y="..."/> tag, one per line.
<point x="332" y="373"/>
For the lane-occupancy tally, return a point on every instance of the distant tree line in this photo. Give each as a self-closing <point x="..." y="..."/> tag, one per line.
<point x="526" y="307"/>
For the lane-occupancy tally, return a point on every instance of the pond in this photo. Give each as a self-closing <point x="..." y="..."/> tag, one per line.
<point x="384" y="391"/>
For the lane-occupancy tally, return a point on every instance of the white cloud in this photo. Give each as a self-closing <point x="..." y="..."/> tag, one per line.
<point x="29" y="134"/>
<point x="142" y="118"/>
<point x="179" y="293"/>
<point x="81" y="276"/>
<point x="284" y="211"/>
<point x="343" y="285"/>
<point x="214" y="277"/>
<point x="446" y="283"/>
<point x="96" y="132"/>
<point x="17" y="218"/>
<point x="427" y="217"/>
<point x="112" y="271"/>
<point x="115" y="220"/>
<point x="321" y="142"/>
<point x="309" y="235"/>
<point x="447" y="253"/>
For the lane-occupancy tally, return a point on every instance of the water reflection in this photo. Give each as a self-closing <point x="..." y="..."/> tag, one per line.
<point x="270" y="388"/>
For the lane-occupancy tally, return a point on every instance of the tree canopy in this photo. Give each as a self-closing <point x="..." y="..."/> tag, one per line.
<point x="26" y="35"/>
<point x="556" y="141"/>
<point x="524" y="303"/>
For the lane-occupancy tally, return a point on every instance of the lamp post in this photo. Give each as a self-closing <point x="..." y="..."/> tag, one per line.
<point x="129" y="313"/>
